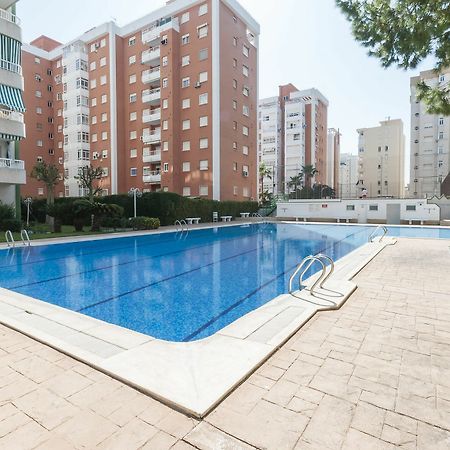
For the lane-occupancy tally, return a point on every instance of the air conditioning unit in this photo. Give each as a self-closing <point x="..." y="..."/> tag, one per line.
<point x="164" y="41"/>
<point x="244" y="173"/>
<point x="198" y="85"/>
<point x="95" y="155"/>
<point x="97" y="45"/>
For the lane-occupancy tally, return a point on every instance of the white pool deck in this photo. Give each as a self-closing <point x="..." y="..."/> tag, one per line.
<point x="192" y="377"/>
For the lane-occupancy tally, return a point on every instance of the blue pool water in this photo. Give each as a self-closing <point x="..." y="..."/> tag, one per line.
<point x="179" y="288"/>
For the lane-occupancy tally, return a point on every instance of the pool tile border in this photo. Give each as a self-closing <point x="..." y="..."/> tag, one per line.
<point x="195" y="376"/>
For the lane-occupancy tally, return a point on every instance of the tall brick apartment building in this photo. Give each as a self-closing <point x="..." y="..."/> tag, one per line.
<point x="167" y="102"/>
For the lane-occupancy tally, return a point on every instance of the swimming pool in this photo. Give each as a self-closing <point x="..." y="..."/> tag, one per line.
<point x="179" y="287"/>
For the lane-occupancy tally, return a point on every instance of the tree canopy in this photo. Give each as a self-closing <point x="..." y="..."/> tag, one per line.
<point x="404" y="33"/>
<point x="49" y="175"/>
<point x="87" y="179"/>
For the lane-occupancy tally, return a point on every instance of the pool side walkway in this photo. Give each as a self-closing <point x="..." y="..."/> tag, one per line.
<point x="373" y="375"/>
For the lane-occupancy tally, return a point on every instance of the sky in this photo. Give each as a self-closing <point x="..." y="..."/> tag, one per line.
<point x="304" y="42"/>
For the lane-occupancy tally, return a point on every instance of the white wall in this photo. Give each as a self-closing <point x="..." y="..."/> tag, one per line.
<point x="341" y="209"/>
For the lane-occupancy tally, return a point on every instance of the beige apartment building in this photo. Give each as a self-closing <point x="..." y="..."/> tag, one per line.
<point x="167" y="102"/>
<point x="381" y="163"/>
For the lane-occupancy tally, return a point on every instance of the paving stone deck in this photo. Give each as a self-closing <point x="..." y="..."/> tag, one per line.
<point x="373" y="375"/>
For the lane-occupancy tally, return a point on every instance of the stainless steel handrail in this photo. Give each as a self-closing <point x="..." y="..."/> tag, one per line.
<point x="181" y="225"/>
<point x="10" y="239"/>
<point x="374" y="232"/>
<point x="330" y="260"/>
<point x="25" y="237"/>
<point x="303" y="267"/>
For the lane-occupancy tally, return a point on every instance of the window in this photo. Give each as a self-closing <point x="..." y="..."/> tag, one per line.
<point x="133" y="98"/>
<point x="186" y="124"/>
<point x="185" y="39"/>
<point x="245" y="171"/>
<point x="441" y="135"/>
<point x="132" y="59"/>
<point x="202" y="31"/>
<point x="203" y="9"/>
<point x="165" y="61"/>
<point x="104" y="117"/>
<point x="245" y="150"/>
<point x="441" y="121"/>
<point x="235" y="166"/>
<point x="38" y="110"/>
<point x="185" y="60"/>
<point x="92" y="65"/>
<point x="103" y="80"/>
<point x="245" y="50"/>
<point x="234" y="145"/>
<point x="245" y="110"/>
<point x="82" y="137"/>
<point x="131" y="41"/>
<point x="82" y="83"/>
<point x="234" y="104"/>
<point x="441" y="78"/>
<point x="165" y="82"/>
<point x="386" y="148"/>
<point x="203" y="99"/>
<point x="410" y="207"/>
<point x="245" y="130"/>
<point x="350" y="207"/>
<point x="186" y="191"/>
<point x="186" y="167"/>
<point x="203" y="54"/>
<point x="203" y="190"/>
<point x="203" y="143"/>
<point x="166" y="167"/>
<point x="184" y="17"/>
<point x="103" y="43"/>
<point x="245" y="70"/>
<point x="234" y="125"/>
<point x="81" y="119"/>
<point x="38" y="94"/>
<point x="185" y="82"/>
<point x="66" y="139"/>
<point x="40" y="191"/>
<point x="204" y="164"/>
<point x="186" y="103"/>
<point x="133" y="135"/>
<point x="234" y="84"/>
<point x="133" y="153"/>
<point x="165" y="125"/>
<point x="37" y="60"/>
<point x="80" y="64"/>
<point x="39" y="143"/>
<point x="234" y="41"/>
<point x="165" y="146"/>
<point x="94" y="102"/>
<point x="186" y="146"/>
<point x="296" y="137"/>
<point x="133" y="171"/>
<point x="133" y="116"/>
<point x="94" y="137"/>
<point x="203" y="122"/>
<point x="104" y="98"/>
<point x="37" y="77"/>
<point x="246" y="91"/>
<point x="440" y="163"/>
<point x="373" y="207"/>
<point x="93" y="84"/>
<point x="165" y="103"/>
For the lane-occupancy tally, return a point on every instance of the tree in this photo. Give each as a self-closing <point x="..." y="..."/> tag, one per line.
<point x="87" y="177"/>
<point x="308" y="172"/>
<point x="404" y="33"/>
<point x="295" y="181"/>
<point x="264" y="172"/>
<point x="85" y="208"/>
<point x="49" y="175"/>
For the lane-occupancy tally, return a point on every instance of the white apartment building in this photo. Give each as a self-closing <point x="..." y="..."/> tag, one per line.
<point x="430" y="141"/>
<point x="381" y="159"/>
<point x="269" y="143"/>
<point x="348" y="176"/>
<point x="333" y="151"/>
<point x="12" y="126"/>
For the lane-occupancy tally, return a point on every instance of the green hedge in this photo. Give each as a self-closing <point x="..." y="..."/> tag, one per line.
<point x="144" y="223"/>
<point x="166" y="206"/>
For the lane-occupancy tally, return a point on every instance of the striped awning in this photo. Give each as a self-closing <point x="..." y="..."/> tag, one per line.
<point x="10" y="50"/>
<point x="9" y="137"/>
<point x="12" y="98"/>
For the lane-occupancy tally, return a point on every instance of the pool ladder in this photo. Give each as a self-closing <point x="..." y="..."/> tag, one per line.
<point x="374" y="233"/>
<point x="303" y="267"/>
<point x="23" y="235"/>
<point x="181" y="226"/>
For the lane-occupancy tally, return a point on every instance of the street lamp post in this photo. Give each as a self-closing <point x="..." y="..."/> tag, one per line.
<point x="28" y="201"/>
<point x="134" y="192"/>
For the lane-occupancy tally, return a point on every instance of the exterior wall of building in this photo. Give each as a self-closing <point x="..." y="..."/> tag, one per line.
<point x="12" y="125"/>
<point x="430" y="141"/>
<point x="140" y="78"/>
<point x="348" y="176"/>
<point x="381" y="159"/>
<point x="332" y="159"/>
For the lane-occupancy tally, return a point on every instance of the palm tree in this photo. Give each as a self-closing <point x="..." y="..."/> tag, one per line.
<point x="295" y="182"/>
<point x="309" y="171"/>
<point x="49" y="175"/>
<point x="264" y="172"/>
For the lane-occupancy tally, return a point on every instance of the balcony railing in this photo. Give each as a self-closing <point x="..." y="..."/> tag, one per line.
<point x="153" y="116"/>
<point x="151" y="138"/>
<point x="10" y="17"/>
<point x="12" y="67"/>
<point x="154" y="156"/>
<point x="151" y="95"/>
<point x="152" y="177"/>
<point x="151" y="75"/>
<point x="12" y="163"/>
<point x="153" y="33"/>
<point x="11" y="115"/>
<point x="151" y="55"/>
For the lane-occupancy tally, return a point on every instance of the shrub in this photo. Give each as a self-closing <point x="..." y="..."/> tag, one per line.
<point x="144" y="223"/>
<point x="8" y="219"/>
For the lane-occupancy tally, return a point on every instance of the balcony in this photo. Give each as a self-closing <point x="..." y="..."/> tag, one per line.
<point x="153" y="177"/>
<point x="151" y="138"/>
<point x="151" y="56"/>
<point x="154" y="156"/>
<point x="152" y="35"/>
<point x="11" y="67"/>
<point x="152" y="117"/>
<point x="10" y="24"/>
<point x="12" y="123"/>
<point x="12" y="171"/>
<point x="9" y="17"/>
<point x="152" y="96"/>
<point x="152" y="76"/>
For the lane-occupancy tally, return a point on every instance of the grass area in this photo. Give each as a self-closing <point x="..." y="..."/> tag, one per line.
<point x="43" y="232"/>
